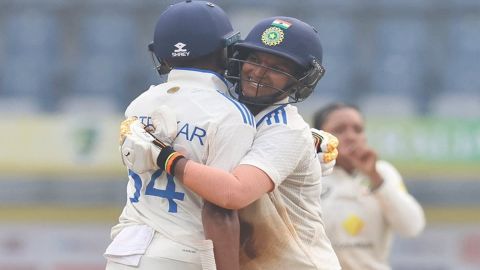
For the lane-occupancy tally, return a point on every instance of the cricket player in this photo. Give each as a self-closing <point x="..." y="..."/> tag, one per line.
<point x="161" y="224"/>
<point x="365" y="201"/>
<point x="278" y="182"/>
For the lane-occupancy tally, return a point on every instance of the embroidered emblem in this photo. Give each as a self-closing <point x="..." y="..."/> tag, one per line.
<point x="272" y="36"/>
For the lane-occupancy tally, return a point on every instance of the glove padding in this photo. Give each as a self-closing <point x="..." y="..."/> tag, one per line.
<point x="146" y="148"/>
<point x="164" y="123"/>
<point x="125" y="128"/>
<point x="326" y="146"/>
<point x="138" y="151"/>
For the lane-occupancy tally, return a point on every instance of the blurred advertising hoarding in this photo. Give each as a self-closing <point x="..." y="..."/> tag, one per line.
<point x="60" y="145"/>
<point x="69" y="145"/>
<point x="439" y="247"/>
<point x="53" y="246"/>
<point x="424" y="147"/>
<point x="80" y="246"/>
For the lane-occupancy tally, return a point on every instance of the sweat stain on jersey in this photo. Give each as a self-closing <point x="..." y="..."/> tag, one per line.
<point x="264" y="237"/>
<point x="173" y="90"/>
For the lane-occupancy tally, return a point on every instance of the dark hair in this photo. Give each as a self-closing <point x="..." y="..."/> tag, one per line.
<point x="322" y="114"/>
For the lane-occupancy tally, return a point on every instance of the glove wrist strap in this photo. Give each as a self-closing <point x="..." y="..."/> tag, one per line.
<point x="167" y="159"/>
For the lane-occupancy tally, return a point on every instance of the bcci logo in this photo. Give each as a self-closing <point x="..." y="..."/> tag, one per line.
<point x="272" y="36"/>
<point x="180" y="51"/>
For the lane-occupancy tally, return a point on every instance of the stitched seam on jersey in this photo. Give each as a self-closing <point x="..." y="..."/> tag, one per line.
<point x="275" y="112"/>
<point x="247" y="116"/>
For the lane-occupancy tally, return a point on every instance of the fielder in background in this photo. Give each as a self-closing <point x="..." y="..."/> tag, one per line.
<point x="364" y="200"/>
<point x="164" y="225"/>
<point x="278" y="182"/>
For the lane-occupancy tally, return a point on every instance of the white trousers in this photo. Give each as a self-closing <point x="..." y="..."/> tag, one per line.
<point x="165" y="253"/>
<point x="149" y="263"/>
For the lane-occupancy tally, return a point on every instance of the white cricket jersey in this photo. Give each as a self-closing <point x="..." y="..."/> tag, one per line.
<point x="292" y="223"/>
<point x="213" y="129"/>
<point x="360" y="223"/>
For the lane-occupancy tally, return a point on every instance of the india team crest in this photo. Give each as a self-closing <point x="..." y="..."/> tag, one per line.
<point x="272" y="36"/>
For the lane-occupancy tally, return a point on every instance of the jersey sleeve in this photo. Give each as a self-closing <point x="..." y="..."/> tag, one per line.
<point x="402" y="211"/>
<point x="228" y="144"/>
<point x="278" y="151"/>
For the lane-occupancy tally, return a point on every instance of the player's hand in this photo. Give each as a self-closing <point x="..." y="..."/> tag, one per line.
<point x="364" y="159"/>
<point x="326" y="146"/>
<point x="137" y="149"/>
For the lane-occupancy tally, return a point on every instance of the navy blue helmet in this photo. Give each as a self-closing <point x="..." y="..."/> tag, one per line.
<point x="191" y="29"/>
<point x="289" y="38"/>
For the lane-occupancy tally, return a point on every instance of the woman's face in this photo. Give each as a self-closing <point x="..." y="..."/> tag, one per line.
<point x="348" y="126"/>
<point x="259" y="81"/>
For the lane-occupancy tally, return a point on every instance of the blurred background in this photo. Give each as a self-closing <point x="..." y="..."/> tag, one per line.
<point x="68" y="69"/>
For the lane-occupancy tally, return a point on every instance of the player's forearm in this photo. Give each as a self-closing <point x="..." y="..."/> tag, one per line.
<point x="229" y="190"/>
<point x="376" y="180"/>
<point x="223" y="228"/>
<point x="180" y="169"/>
<point x="402" y="211"/>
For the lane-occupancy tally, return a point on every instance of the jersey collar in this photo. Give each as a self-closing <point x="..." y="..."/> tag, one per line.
<point x="200" y="78"/>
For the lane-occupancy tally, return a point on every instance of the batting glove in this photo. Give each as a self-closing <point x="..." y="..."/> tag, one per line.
<point x="326" y="146"/>
<point x="142" y="151"/>
<point x="125" y="129"/>
<point x="164" y="124"/>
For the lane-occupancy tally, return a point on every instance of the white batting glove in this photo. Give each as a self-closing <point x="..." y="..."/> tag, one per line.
<point x="125" y="129"/>
<point x="140" y="146"/>
<point x="138" y="151"/>
<point x="164" y="124"/>
<point x="326" y="146"/>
